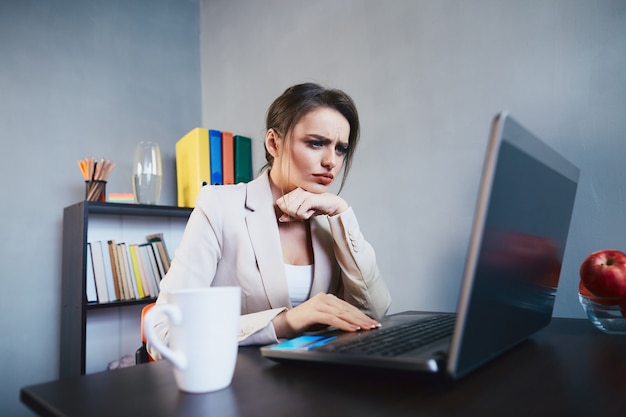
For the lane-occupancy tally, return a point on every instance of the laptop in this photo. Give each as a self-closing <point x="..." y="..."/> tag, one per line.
<point x="520" y="227"/>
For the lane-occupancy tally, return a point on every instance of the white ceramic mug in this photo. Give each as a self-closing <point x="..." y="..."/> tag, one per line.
<point x="203" y="330"/>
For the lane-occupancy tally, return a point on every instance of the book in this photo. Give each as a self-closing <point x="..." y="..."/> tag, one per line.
<point x="165" y="257"/>
<point x="99" y="273"/>
<point x="147" y="268"/>
<point x="90" y="280"/>
<point x="108" y="269"/>
<point x="165" y="260"/>
<point x="155" y="268"/>
<point x="215" y="156"/>
<point x="193" y="166"/>
<point x="145" y="279"/>
<point x="132" y="252"/>
<point x="128" y="198"/>
<point x="228" y="158"/>
<point x="114" y="269"/>
<point x="128" y="272"/>
<point x="159" y="261"/>
<point x="243" y="158"/>
<point x="121" y="273"/>
<point x="136" y="269"/>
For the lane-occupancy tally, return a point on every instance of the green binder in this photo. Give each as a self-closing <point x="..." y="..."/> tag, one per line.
<point x="243" y="158"/>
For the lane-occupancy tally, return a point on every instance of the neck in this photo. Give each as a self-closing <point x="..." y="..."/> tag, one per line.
<point x="277" y="185"/>
<point x="277" y="192"/>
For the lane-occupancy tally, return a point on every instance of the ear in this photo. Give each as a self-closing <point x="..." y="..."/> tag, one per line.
<point x="272" y="143"/>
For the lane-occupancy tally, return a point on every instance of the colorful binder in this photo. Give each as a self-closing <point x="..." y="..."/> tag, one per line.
<point x="243" y="158"/>
<point x="228" y="158"/>
<point x="215" y="154"/>
<point x="193" y="166"/>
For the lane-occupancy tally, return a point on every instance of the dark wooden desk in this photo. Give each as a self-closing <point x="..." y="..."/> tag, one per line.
<point x="568" y="369"/>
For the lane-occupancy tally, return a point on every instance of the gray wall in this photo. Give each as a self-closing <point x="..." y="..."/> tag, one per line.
<point x="428" y="76"/>
<point x="86" y="77"/>
<point x="78" y="78"/>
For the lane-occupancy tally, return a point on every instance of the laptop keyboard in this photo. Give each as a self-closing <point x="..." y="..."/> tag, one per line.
<point x="397" y="339"/>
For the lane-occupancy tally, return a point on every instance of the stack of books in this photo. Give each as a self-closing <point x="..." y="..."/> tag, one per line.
<point x="124" y="272"/>
<point x="209" y="156"/>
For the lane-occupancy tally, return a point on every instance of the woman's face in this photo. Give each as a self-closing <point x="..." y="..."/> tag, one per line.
<point x="312" y="154"/>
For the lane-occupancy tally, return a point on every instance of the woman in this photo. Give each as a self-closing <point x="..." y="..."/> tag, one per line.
<point x="294" y="248"/>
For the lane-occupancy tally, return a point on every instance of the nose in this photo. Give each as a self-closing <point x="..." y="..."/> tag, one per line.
<point x="329" y="159"/>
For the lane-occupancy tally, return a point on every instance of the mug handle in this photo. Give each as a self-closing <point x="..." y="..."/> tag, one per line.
<point x="175" y="317"/>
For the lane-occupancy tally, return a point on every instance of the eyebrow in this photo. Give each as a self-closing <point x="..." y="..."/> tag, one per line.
<point x="326" y="140"/>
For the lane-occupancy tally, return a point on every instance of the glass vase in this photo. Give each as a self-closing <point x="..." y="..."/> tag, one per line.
<point x="147" y="173"/>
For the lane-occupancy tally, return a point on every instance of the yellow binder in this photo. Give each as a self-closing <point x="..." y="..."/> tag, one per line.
<point x="193" y="167"/>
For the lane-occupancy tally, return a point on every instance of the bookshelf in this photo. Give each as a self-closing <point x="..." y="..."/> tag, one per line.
<point x="92" y="334"/>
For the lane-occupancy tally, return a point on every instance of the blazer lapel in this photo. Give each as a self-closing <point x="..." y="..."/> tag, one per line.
<point x="323" y="259"/>
<point x="263" y="232"/>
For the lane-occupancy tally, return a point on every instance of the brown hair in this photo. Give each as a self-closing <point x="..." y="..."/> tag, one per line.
<point x="298" y="100"/>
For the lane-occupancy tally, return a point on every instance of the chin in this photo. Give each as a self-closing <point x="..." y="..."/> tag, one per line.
<point x="315" y="188"/>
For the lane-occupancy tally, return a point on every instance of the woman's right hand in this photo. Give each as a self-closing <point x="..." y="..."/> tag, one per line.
<point x="302" y="205"/>
<point x="324" y="309"/>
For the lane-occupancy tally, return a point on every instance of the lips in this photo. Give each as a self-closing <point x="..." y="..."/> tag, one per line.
<point x="324" y="179"/>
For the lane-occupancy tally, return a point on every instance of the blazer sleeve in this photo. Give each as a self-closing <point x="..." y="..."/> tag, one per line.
<point x="363" y="285"/>
<point x="254" y="329"/>
<point x="257" y="328"/>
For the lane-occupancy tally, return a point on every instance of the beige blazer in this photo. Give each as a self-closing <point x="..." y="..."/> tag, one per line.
<point x="232" y="238"/>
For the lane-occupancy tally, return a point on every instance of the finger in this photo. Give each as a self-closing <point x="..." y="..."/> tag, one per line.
<point x="340" y="324"/>
<point x="348" y="313"/>
<point x="290" y="202"/>
<point x="346" y="323"/>
<point x="296" y="210"/>
<point x="328" y="310"/>
<point x="285" y="218"/>
<point x="305" y="209"/>
<point x="293" y="197"/>
<point x="298" y="207"/>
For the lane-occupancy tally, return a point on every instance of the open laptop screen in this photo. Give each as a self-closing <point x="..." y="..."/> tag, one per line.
<point x="524" y="209"/>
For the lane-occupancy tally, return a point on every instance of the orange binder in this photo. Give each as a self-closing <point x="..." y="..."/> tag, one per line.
<point x="228" y="158"/>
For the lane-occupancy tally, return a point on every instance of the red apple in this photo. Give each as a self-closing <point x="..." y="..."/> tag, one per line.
<point x="611" y="301"/>
<point x="603" y="273"/>
<point x="583" y="290"/>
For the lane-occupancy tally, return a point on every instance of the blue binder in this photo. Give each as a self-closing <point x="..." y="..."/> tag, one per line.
<point x="215" y="144"/>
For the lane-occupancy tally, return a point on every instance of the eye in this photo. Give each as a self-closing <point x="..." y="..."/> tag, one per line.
<point x="342" y="150"/>
<point x="314" y="143"/>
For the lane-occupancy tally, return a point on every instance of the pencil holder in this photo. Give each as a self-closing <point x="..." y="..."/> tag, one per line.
<point x="95" y="190"/>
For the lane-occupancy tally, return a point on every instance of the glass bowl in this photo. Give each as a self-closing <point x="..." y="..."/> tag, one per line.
<point x="606" y="313"/>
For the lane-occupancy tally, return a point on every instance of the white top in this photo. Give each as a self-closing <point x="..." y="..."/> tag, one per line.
<point x="299" y="278"/>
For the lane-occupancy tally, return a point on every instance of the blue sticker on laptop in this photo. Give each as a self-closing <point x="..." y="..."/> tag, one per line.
<point x="305" y="342"/>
